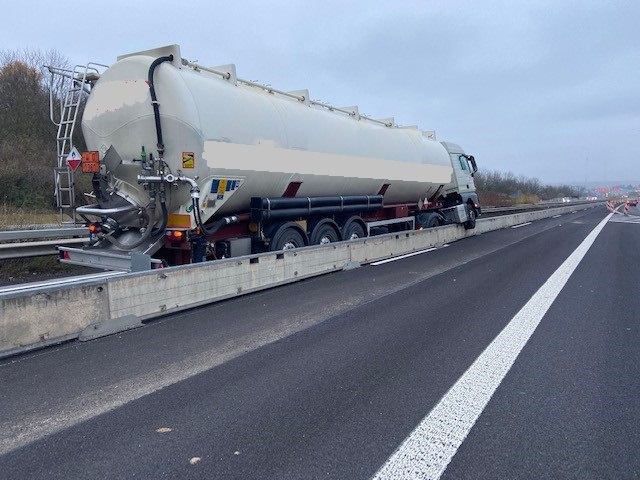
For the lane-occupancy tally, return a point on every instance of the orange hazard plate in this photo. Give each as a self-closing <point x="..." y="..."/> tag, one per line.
<point x="90" y="162"/>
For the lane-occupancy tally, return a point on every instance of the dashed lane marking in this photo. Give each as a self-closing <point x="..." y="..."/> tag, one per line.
<point x="427" y="451"/>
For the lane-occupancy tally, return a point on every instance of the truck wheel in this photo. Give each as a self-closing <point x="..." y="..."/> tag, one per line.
<point x="324" y="234"/>
<point x="471" y="214"/>
<point x="353" y="230"/>
<point x="427" y="220"/>
<point x="286" y="238"/>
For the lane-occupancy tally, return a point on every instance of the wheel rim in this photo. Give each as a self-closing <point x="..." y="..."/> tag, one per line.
<point x="286" y="238"/>
<point x="354" y="232"/>
<point x="289" y="245"/>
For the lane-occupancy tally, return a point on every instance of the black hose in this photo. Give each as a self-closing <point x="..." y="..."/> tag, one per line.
<point x="215" y="226"/>
<point x="154" y="100"/>
<point x="165" y="219"/>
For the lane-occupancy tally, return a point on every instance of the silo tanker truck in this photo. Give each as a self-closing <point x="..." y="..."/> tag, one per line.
<point x="192" y="163"/>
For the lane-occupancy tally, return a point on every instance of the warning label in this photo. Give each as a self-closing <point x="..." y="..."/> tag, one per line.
<point x="188" y="160"/>
<point x="73" y="159"/>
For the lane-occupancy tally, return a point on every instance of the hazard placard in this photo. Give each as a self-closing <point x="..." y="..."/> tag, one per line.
<point x="188" y="159"/>
<point x="74" y="159"/>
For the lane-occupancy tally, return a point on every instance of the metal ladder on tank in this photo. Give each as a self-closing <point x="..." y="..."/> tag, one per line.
<point x="70" y="88"/>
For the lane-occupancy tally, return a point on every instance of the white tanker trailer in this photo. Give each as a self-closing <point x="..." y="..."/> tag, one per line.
<point x="191" y="163"/>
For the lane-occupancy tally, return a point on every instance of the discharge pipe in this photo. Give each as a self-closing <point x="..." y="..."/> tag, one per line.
<point x="145" y="235"/>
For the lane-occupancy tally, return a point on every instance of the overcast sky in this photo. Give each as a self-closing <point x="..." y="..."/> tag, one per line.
<point x="546" y="89"/>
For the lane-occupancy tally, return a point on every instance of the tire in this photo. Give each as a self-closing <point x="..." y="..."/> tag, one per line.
<point x="427" y="220"/>
<point x="471" y="214"/>
<point x="353" y="230"/>
<point x="286" y="238"/>
<point x="324" y="234"/>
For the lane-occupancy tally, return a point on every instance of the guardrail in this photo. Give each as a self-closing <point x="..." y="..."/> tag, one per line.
<point x="34" y="243"/>
<point x="492" y="211"/>
<point x="97" y="307"/>
<point x="40" y="242"/>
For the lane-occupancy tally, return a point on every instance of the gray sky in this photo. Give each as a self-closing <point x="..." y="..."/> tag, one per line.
<point x="546" y="89"/>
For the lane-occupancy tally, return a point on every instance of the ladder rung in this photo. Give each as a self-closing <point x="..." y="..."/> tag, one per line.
<point x="72" y="104"/>
<point x="64" y="138"/>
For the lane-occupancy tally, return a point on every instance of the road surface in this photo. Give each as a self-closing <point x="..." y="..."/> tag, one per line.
<point x="398" y="370"/>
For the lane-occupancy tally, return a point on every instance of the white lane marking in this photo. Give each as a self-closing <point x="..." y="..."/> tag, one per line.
<point x="427" y="451"/>
<point x="556" y="216"/>
<point x="521" y="225"/>
<point x="407" y="255"/>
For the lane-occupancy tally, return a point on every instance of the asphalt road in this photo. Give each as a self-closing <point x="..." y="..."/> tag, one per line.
<point x="327" y="377"/>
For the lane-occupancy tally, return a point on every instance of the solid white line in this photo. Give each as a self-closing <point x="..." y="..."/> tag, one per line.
<point x="556" y="216"/>
<point x="427" y="451"/>
<point x="407" y="255"/>
<point x="521" y="225"/>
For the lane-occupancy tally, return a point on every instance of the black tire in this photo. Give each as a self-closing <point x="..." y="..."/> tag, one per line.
<point x="427" y="220"/>
<point x="324" y="234"/>
<point x="353" y="230"/>
<point x="471" y="214"/>
<point x="286" y="238"/>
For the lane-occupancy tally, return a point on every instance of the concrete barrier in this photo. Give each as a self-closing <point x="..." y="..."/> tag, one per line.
<point x="99" y="307"/>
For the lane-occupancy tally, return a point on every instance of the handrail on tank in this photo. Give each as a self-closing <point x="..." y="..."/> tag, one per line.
<point x="301" y="98"/>
<point x="91" y="73"/>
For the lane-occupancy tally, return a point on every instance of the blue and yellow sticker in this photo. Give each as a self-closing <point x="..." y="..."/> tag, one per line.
<point x="220" y="186"/>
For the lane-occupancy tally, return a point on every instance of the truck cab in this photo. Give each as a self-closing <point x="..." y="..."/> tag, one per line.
<point x="462" y="189"/>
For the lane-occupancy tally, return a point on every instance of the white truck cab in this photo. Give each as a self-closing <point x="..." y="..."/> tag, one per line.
<point x="462" y="189"/>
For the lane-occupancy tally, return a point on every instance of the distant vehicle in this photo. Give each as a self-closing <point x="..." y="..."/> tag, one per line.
<point x="632" y="202"/>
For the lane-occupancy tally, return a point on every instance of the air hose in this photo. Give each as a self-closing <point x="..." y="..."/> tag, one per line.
<point x="215" y="226"/>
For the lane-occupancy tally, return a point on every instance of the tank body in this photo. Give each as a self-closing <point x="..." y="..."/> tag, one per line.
<point x="239" y="141"/>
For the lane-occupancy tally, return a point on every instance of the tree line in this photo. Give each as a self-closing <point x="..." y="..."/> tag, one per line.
<point x="506" y="189"/>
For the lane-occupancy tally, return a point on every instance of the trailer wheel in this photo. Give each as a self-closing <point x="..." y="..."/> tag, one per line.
<point x="286" y="238"/>
<point x="324" y="234"/>
<point x="353" y="230"/>
<point x="427" y="220"/>
<point x="471" y="214"/>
